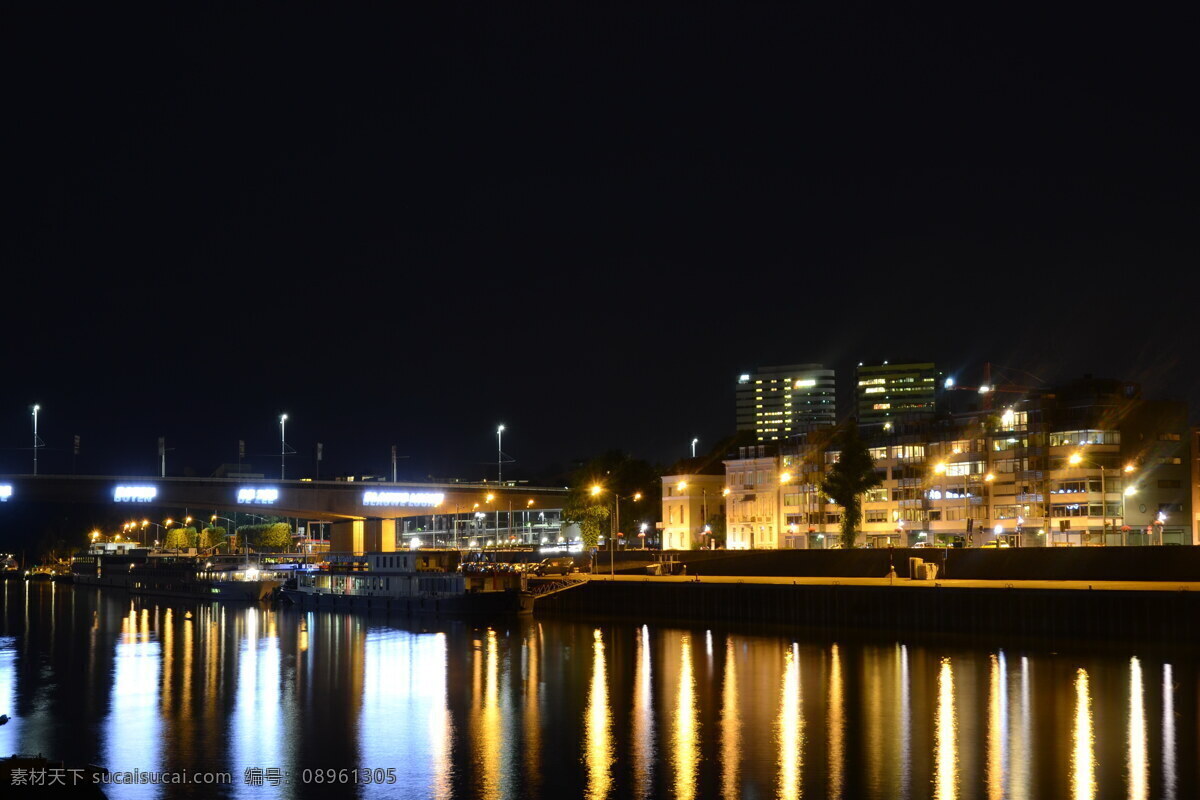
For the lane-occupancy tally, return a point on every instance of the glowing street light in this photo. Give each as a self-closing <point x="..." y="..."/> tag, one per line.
<point x="282" y="443"/>
<point x="499" y="456"/>
<point x="694" y="443"/>
<point x="36" y="441"/>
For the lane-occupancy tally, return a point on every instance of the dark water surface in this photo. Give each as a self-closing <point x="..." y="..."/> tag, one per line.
<point x="555" y="709"/>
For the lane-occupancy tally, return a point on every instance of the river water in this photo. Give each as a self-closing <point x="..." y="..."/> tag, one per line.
<point x="293" y="703"/>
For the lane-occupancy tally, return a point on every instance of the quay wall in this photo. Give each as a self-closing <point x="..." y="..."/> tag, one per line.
<point x="1161" y="615"/>
<point x="1171" y="564"/>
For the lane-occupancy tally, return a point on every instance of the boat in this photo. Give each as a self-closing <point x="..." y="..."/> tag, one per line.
<point x="422" y="581"/>
<point x="143" y="571"/>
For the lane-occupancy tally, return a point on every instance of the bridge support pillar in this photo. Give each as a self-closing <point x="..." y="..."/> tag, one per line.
<point x="346" y="537"/>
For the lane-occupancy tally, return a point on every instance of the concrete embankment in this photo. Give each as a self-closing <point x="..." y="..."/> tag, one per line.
<point x="1169" y="564"/>
<point x="1158" y="611"/>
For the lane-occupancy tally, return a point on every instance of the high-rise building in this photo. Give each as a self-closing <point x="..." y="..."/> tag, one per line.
<point x="778" y="402"/>
<point x="895" y="392"/>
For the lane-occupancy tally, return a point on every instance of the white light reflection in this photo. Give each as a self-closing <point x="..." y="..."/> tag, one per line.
<point x="1083" y="765"/>
<point x="9" y="734"/>
<point x="257" y="728"/>
<point x="404" y="708"/>
<point x="133" y="730"/>
<point x="790" y="726"/>
<point x="997" y="747"/>
<point x="1137" y="766"/>
<point x="643" y="717"/>
<point x="1168" y="734"/>
<point x="1020" y="745"/>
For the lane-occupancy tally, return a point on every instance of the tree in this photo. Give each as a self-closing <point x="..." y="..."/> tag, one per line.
<point x="211" y="537"/>
<point x="853" y="474"/>
<point x="618" y="475"/>
<point x="275" y="536"/>
<point x="180" y="538"/>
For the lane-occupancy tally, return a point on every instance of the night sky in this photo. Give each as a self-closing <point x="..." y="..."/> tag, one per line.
<point x="407" y="229"/>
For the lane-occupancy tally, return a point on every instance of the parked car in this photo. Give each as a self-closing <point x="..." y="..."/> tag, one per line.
<point x="556" y="566"/>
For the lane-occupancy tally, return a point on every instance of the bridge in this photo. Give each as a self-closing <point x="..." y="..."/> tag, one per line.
<point x="363" y="514"/>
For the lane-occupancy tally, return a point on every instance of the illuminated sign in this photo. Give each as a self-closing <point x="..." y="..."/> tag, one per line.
<point x="134" y="494"/>
<point x="5" y="492"/>
<point x="403" y="498"/>
<point x="261" y="496"/>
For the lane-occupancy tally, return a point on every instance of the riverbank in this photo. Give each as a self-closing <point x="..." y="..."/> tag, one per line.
<point x="1122" y="609"/>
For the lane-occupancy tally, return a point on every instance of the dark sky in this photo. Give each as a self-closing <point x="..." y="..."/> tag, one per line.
<point x="407" y="227"/>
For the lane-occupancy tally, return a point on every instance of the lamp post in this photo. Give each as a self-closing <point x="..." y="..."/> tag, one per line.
<point x="499" y="456"/>
<point x="694" y="443"/>
<point x="987" y="487"/>
<point x="282" y="443"/>
<point x="36" y="440"/>
<point x="232" y="526"/>
<point x="1129" y="492"/>
<point x="615" y="525"/>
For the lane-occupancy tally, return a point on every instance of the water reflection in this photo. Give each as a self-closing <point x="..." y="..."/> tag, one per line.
<point x="1083" y="766"/>
<point x="403" y="707"/>
<point x="790" y="726"/>
<point x="1137" y="765"/>
<point x="731" y="728"/>
<point x="687" y="751"/>
<point x="531" y="655"/>
<point x="643" y="716"/>
<point x="489" y="731"/>
<point x="553" y="708"/>
<point x="1168" y="733"/>
<point x="945" y="783"/>
<point x="133" y="735"/>
<point x="904" y="692"/>
<point x="599" y="754"/>
<point x="835" y="727"/>
<point x="997" y="762"/>
<point x="256" y="728"/>
<point x="1020" y="745"/>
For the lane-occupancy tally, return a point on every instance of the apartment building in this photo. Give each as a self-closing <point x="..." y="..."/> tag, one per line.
<point x="1088" y="463"/>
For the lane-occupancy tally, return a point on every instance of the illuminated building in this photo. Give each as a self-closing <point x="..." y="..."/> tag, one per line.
<point x="776" y="402"/>
<point x="1086" y="463"/>
<point x="895" y="392"/>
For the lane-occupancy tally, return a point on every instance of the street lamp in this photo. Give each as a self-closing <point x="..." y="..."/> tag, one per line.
<point x="615" y="525"/>
<point x="694" y="443"/>
<point x="282" y="443"/>
<point x="36" y="440"/>
<point x="232" y="528"/>
<point x="146" y="522"/>
<point x="499" y="456"/>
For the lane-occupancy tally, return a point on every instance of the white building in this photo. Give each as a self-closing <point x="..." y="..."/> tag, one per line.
<point x="689" y="501"/>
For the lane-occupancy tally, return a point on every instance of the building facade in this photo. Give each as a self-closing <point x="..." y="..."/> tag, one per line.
<point x="1090" y="463"/>
<point x="777" y="402"/>
<point x="890" y="393"/>
<point x="689" y="503"/>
